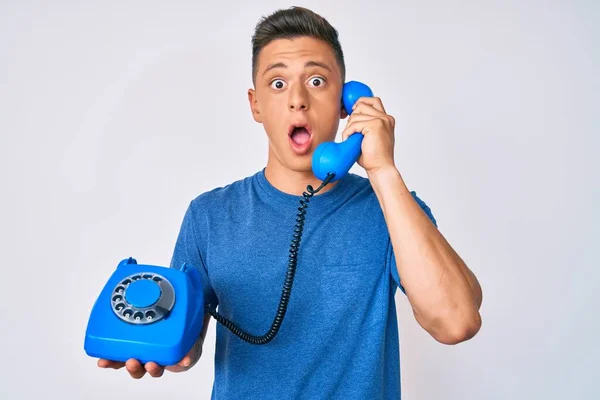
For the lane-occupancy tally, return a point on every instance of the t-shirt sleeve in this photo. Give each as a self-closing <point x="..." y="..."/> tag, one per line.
<point x="391" y="256"/>
<point x="188" y="250"/>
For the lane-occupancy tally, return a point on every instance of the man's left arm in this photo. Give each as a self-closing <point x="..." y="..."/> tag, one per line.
<point x="444" y="294"/>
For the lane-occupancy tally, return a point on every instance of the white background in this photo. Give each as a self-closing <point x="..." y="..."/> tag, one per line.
<point x="114" y="115"/>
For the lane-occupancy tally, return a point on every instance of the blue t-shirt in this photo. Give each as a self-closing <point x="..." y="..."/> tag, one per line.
<point x="339" y="338"/>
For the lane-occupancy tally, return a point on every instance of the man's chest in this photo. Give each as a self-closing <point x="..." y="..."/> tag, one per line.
<point x="337" y="262"/>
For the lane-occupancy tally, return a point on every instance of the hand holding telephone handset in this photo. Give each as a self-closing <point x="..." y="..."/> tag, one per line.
<point x="152" y="313"/>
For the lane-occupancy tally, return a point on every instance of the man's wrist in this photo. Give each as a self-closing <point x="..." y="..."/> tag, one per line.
<point x="386" y="178"/>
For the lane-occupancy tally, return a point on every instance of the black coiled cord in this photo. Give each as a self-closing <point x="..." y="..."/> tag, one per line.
<point x="289" y="278"/>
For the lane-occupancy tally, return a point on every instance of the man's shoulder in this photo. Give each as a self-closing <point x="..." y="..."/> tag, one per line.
<point x="220" y="195"/>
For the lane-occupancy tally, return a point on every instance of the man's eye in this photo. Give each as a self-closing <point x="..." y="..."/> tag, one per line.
<point x="317" y="82"/>
<point x="277" y="84"/>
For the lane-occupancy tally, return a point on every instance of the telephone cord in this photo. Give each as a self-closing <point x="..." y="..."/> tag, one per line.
<point x="289" y="278"/>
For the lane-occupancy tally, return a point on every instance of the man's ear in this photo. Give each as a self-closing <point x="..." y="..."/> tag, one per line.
<point x="254" y="105"/>
<point x="343" y="113"/>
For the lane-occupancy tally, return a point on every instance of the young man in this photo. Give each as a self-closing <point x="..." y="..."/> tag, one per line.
<point x="362" y="239"/>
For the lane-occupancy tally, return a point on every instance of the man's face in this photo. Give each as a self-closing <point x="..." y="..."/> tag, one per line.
<point x="297" y="98"/>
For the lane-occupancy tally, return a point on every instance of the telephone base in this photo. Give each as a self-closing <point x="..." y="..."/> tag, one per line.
<point x="148" y="313"/>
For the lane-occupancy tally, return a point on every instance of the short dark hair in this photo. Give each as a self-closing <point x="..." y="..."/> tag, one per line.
<point x="292" y="23"/>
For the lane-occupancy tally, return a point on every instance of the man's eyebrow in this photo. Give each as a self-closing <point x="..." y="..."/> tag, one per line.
<point x="317" y="64"/>
<point x="307" y="64"/>
<point x="273" y="66"/>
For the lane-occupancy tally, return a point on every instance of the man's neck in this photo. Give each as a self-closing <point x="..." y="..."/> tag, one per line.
<point x="293" y="182"/>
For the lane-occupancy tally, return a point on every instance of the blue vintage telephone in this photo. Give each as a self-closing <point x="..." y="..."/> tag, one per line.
<point x="146" y="312"/>
<point x="154" y="313"/>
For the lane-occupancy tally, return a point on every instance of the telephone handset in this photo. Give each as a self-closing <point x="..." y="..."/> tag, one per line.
<point x="338" y="158"/>
<point x="154" y="313"/>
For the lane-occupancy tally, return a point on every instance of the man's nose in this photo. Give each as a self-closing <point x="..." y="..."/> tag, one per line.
<point x="298" y="99"/>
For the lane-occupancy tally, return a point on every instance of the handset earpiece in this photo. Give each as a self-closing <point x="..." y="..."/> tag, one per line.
<point x="338" y="158"/>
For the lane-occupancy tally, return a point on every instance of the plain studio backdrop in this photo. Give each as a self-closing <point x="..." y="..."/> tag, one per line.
<point x="114" y="115"/>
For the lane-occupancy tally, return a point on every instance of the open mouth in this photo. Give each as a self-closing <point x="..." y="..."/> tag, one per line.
<point x="300" y="135"/>
<point x="300" y="138"/>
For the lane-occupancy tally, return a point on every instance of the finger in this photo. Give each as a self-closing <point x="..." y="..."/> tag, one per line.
<point x="358" y="127"/>
<point x="358" y="118"/>
<point x="361" y="117"/>
<point x="348" y="130"/>
<point x="135" y="369"/>
<point x="154" y="369"/>
<point x="102" y="363"/>
<point x="185" y="361"/>
<point x="371" y="101"/>
<point x="368" y="109"/>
